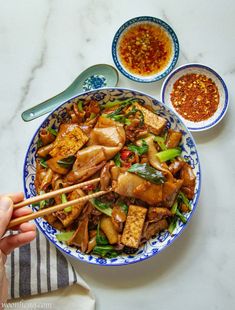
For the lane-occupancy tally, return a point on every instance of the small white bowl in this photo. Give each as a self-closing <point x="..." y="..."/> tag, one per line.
<point x="153" y="21"/>
<point x="167" y="88"/>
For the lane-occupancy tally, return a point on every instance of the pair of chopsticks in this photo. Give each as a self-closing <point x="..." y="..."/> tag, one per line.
<point x="49" y="210"/>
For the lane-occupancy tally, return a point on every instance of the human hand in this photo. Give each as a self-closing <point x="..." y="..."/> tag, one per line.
<point x="26" y="233"/>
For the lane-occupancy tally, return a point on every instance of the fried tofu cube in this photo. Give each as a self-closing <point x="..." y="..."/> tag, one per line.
<point x="67" y="218"/>
<point x="134" y="225"/>
<point x="69" y="140"/>
<point x="154" y="122"/>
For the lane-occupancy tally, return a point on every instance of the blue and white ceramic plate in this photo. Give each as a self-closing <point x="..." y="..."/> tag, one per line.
<point x="152" y="20"/>
<point x="162" y="240"/>
<point x="167" y="88"/>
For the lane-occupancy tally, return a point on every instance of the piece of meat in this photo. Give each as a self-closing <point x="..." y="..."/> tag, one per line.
<point x="131" y="185"/>
<point x="157" y="213"/>
<point x="170" y="192"/>
<point x="46" y="137"/>
<point x="151" y="229"/>
<point x="45" y="150"/>
<point x="189" y="181"/>
<point x="176" y="165"/>
<point x="69" y="140"/>
<point x="173" y="138"/>
<point x="133" y="227"/>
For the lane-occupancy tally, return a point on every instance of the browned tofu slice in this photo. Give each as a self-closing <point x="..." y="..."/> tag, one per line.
<point x="69" y="140"/>
<point x="155" y="123"/>
<point x="134" y="225"/>
<point x="67" y="218"/>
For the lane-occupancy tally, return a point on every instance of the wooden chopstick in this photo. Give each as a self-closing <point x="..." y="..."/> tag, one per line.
<point x="49" y="195"/>
<point x="40" y="213"/>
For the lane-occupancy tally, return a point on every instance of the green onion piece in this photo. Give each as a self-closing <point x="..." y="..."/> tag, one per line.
<point x="147" y="172"/>
<point x="117" y="160"/>
<point x="92" y="116"/>
<point x="39" y="143"/>
<point x="66" y="162"/>
<point x="168" y="154"/>
<point x="127" y="122"/>
<point x="100" y="239"/>
<point x="174" y="207"/>
<point x="181" y="216"/>
<point x="64" y="236"/>
<point x="105" y="251"/>
<point x="80" y="108"/>
<point x="43" y="163"/>
<point x="111" y="104"/>
<point x="161" y="142"/>
<point x="123" y="206"/>
<point x="52" y="131"/>
<point x="102" y="207"/>
<point x="172" y="225"/>
<point x="140" y="150"/>
<point x="64" y="200"/>
<point x="185" y="200"/>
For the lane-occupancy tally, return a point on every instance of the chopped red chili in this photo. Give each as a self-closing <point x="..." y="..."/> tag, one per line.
<point x="125" y="154"/>
<point x="195" y="97"/>
<point x="145" y="49"/>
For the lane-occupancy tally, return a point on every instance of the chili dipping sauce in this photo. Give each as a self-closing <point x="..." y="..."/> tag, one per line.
<point x="145" y="49"/>
<point x="195" y="97"/>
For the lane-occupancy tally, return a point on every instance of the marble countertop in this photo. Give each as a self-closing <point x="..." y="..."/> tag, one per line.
<point x="44" y="45"/>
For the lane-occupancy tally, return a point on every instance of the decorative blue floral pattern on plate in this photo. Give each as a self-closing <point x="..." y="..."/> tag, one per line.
<point x="153" y="246"/>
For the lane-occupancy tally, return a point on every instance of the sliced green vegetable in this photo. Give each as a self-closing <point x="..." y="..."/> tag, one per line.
<point x="43" y="162"/>
<point x="66" y="162"/>
<point x="102" y="207"/>
<point x="140" y="150"/>
<point x="39" y="143"/>
<point x="161" y="142"/>
<point x="80" y="107"/>
<point x="168" y="154"/>
<point x="147" y="172"/>
<point x="174" y="207"/>
<point x="117" y="160"/>
<point x="172" y="225"/>
<point x="181" y="216"/>
<point x="64" y="200"/>
<point x="111" y="104"/>
<point x="64" y="236"/>
<point x="92" y="116"/>
<point x="123" y="206"/>
<point x="52" y="131"/>
<point x="133" y="111"/>
<point x="105" y="251"/>
<point x="185" y="200"/>
<point x="100" y="239"/>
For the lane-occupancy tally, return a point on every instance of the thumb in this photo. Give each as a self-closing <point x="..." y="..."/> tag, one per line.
<point x="5" y="213"/>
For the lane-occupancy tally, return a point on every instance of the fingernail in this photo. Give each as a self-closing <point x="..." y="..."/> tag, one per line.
<point x="5" y="203"/>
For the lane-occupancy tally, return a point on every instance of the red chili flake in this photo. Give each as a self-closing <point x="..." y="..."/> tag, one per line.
<point x="145" y="49"/>
<point x="125" y="154"/>
<point x="195" y="97"/>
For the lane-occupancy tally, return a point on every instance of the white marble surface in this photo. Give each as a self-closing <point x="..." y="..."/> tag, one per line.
<point x="43" y="46"/>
